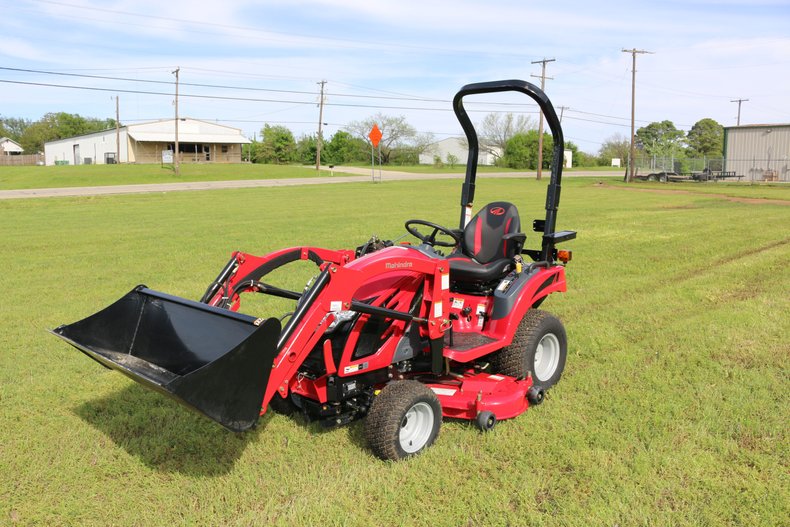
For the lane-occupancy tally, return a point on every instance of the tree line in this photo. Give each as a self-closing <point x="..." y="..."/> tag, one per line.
<point x="511" y="139"/>
<point x="663" y="139"/>
<point x="401" y="144"/>
<point x="32" y="135"/>
<point x="514" y="142"/>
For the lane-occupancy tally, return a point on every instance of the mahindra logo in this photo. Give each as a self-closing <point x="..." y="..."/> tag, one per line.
<point x="397" y="265"/>
<point x="497" y="211"/>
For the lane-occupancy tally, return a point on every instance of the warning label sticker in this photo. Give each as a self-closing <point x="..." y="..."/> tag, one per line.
<point x="443" y="391"/>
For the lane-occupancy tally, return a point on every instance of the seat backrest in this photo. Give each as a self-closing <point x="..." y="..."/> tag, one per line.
<point x="483" y="234"/>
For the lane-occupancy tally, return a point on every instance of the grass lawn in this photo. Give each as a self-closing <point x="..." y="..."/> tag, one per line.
<point x="431" y="169"/>
<point x="93" y="175"/>
<point x="673" y="409"/>
<point x="460" y="168"/>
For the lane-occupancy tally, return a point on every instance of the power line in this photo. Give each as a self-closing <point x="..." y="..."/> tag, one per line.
<point x="277" y="36"/>
<point x="543" y="78"/>
<point x="413" y="98"/>
<point x="245" y="99"/>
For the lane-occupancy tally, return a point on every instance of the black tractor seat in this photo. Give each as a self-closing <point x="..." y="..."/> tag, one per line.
<point x="465" y="269"/>
<point x="488" y="245"/>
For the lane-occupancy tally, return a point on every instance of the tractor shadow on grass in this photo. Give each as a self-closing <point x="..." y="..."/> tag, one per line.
<point x="163" y="435"/>
<point x="354" y="430"/>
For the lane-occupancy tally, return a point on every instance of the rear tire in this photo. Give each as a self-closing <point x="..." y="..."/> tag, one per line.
<point x="403" y="420"/>
<point x="539" y="348"/>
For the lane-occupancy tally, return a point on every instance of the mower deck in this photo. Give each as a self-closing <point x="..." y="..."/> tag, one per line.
<point x="467" y="396"/>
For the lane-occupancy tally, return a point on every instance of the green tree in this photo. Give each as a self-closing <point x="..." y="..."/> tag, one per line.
<point x="59" y="126"/>
<point x="306" y="150"/>
<point x="14" y="127"/>
<point x="706" y="138"/>
<point x="521" y="151"/>
<point x="614" y="147"/>
<point x="660" y="139"/>
<point x="452" y="159"/>
<point x="345" y="148"/>
<point x="497" y="129"/>
<point x="277" y="145"/>
<point x="400" y="142"/>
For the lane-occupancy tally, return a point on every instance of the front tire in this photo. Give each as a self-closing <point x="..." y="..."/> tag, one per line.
<point x="403" y="420"/>
<point x="539" y="348"/>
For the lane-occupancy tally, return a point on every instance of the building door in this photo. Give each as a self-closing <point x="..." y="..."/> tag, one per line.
<point x="76" y="154"/>
<point x="207" y="151"/>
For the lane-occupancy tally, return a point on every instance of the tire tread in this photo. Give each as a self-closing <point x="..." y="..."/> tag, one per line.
<point x="382" y="424"/>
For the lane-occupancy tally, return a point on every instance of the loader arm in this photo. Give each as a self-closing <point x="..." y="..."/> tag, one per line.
<point x="334" y="292"/>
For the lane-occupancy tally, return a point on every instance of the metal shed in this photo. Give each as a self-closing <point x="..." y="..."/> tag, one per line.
<point x="758" y="152"/>
<point x="199" y="142"/>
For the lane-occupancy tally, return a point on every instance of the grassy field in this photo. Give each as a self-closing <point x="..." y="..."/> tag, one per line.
<point x="673" y="409"/>
<point x="91" y="175"/>
<point x="431" y="169"/>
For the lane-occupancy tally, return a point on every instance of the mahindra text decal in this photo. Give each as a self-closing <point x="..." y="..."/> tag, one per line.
<point x="497" y="211"/>
<point x="397" y="265"/>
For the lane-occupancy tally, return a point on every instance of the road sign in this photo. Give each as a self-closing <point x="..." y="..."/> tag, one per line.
<point x="375" y="135"/>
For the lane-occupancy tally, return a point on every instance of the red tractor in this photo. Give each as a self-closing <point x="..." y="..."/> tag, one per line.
<point x="398" y="334"/>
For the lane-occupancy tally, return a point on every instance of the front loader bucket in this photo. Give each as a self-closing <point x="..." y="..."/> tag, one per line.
<point x="212" y="360"/>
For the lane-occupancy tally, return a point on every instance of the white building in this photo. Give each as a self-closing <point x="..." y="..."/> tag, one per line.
<point x="9" y="147"/>
<point x="152" y="142"/>
<point x="457" y="147"/>
<point x="758" y="152"/>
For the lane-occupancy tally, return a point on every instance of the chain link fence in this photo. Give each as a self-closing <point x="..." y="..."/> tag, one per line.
<point x="753" y="170"/>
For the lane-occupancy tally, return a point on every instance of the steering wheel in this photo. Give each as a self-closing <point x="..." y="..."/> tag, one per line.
<point x="431" y="239"/>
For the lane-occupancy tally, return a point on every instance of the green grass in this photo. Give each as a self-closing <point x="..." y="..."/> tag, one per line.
<point x="673" y="408"/>
<point x="431" y="169"/>
<point x="93" y="175"/>
<point x="460" y="168"/>
<point x="777" y="191"/>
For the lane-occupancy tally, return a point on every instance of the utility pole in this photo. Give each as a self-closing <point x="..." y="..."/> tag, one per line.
<point x="320" y="122"/>
<point x="175" y="154"/>
<point x="117" y="130"/>
<point x="633" y="53"/>
<point x="739" y="101"/>
<point x="542" y="78"/>
<point x="562" y="111"/>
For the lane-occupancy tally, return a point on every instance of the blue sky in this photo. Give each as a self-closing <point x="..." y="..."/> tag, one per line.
<point x="407" y="58"/>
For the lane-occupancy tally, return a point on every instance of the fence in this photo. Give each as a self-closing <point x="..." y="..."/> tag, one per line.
<point x="35" y="159"/>
<point x="754" y="170"/>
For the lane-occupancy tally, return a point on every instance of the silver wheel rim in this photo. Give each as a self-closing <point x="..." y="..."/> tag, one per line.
<point x="416" y="427"/>
<point x="547" y="357"/>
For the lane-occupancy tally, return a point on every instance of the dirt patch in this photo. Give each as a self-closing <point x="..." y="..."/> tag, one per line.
<point x="678" y="207"/>
<point x="735" y="199"/>
<point x="691" y="273"/>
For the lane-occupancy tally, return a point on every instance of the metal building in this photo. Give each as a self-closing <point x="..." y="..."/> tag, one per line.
<point x="151" y="142"/>
<point x="758" y="152"/>
<point x="455" y="146"/>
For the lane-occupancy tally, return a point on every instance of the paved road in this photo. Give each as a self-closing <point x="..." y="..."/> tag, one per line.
<point x="340" y="175"/>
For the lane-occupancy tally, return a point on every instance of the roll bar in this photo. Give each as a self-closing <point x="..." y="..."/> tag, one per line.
<point x="553" y="191"/>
